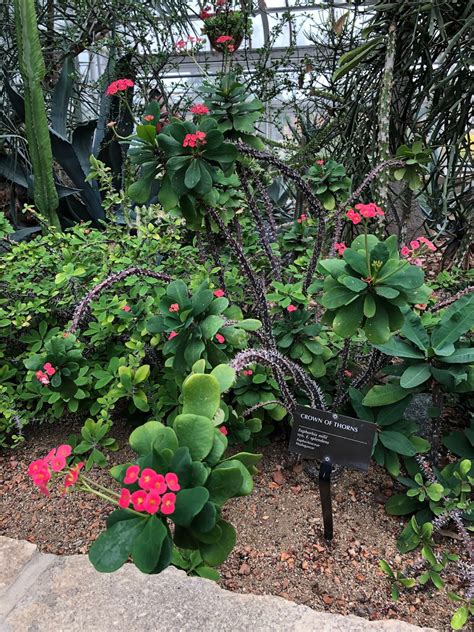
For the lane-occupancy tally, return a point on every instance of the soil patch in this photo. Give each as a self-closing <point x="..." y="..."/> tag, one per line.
<point x="280" y="548"/>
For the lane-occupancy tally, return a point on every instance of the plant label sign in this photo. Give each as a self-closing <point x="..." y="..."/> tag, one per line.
<point x="318" y="434"/>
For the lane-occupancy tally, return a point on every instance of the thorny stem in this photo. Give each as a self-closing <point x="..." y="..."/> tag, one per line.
<point x="316" y="207"/>
<point x="267" y="203"/>
<point x="340" y="381"/>
<point x="243" y="174"/>
<point x="211" y="241"/>
<point x="249" y="411"/>
<point x="83" y="305"/>
<point x="257" y="288"/>
<point x="452" y="299"/>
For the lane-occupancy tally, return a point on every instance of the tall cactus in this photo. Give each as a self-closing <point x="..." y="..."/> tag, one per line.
<point x="32" y="69"/>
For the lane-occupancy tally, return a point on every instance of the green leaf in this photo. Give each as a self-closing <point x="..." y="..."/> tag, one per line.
<point x="384" y="394"/>
<point x="397" y="442"/>
<point x="189" y="503"/>
<point x="225" y="375"/>
<point x="401" y="505"/>
<point x="113" y="547"/>
<point x="217" y="552"/>
<point x="336" y="297"/>
<point x="348" y="319"/>
<point x="201" y="395"/>
<point x="415" y="332"/>
<point x="356" y="260"/>
<point x="399" y="349"/>
<point x="369" y="306"/>
<point x="377" y="328"/>
<point x="456" y="321"/>
<point x="211" y="325"/>
<point x="146" y="548"/>
<point x="195" y="432"/>
<point x="193" y="174"/>
<point x="141" y="374"/>
<point x="415" y="375"/>
<point x="224" y="483"/>
<point x="140" y="400"/>
<point x="459" y="618"/>
<point x="143" y="438"/>
<point x="460" y="356"/>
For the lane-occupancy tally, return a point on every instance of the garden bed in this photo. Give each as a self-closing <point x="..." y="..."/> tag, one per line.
<point x="280" y="548"/>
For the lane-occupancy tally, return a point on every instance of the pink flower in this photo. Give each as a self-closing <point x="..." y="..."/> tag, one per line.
<point x="57" y="463"/>
<point x="224" y="431"/>
<point x="49" y="368"/>
<point x="415" y="244"/>
<point x="429" y="244"/>
<point x="41" y="478"/>
<point x="50" y="455"/>
<point x="218" y="293"/>
<point x="174" y="308"/>
<point x="147" y="478"/>
<point x="126" y="308"/>
<point x="180" y="44"/>
<point x="199" y="109"/>
<point x="291" y="308"/>
<point x="231" y="48"/>
<point x="73" y="475"/>
<point x="172" y="335"/>
<point x="152" y="502"/>
<point x="366" y="210"/>
<point x="421" y="306"/>
<point x="167" y="503"/>
<point x="348" y="373"/>
<point x="222" y="39"/>
<point x="195" y="140"/>
<point x="302" y="218"/>
<point x="138" y="500"/>
<point x="340" y="247"/>
<point x="158" y="484"/>
<point x="64" y="450"/>
<point x="119" y="86"/>
<point x="35" y="467"/>
<point x="418" y="262"/>
<point x="405" y="251"/>
<point x="220" y="338"/>
<point x="172" y="482"/>
<point x="204" y="15"/>
<point x="125" y="498"/>
<point x="42" y="377"/>
<point x="131" y="475"/>
<point x="148" y="118"/>
<point x="248" y="372"/>
<point x="356" y="219"/>
<point x="320" y="162"/>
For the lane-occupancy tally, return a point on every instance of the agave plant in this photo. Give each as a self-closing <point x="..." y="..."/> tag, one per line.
<point x="370" y="288"/>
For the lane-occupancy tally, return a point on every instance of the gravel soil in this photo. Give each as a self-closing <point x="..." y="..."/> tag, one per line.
<point x="280" y="547"/>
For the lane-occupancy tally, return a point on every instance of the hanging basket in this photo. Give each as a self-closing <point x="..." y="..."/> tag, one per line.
<point x="221" y="48"/>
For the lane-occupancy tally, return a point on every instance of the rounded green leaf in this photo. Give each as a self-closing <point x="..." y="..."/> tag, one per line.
<point x="146" y="548"/>
<point x="201" y="395"/>
<point x="113" y="547"/>
<point x="225" y="375"/>
<point x="195" y="432"/>
<point x="217" y="552"/>
<point x="143" y="437"/>
<point x="189" y="503"/>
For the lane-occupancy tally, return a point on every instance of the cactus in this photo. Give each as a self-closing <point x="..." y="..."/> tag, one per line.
<point x="32" y="70"/>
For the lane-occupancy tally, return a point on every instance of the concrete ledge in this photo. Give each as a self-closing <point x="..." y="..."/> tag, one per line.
<point x="42" y="593"/>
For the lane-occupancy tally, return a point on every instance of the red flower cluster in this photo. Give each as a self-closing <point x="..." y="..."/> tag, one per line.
<point x="199" y="109"/>
<point x="416" y="244"/>
<point x="55" y="461"/>
<point x="180" y="44"/>
<point x="302" y="218"/>
<point x="172" y="335"/>
<point x="365" y="210"/>
<point x="369" y="210"/>
<point x="206" y="13"/>
<point x="220" y="338"/>
<point x="340" y="247"/>
<point x="155" y="493"/>
<point x="248" y="372"/>
<point x="119" y="86"/>
<point x="148" y="118"/>
<point x="218" y="293"/>
<point x="126" y="308"/>
<point x="195" y="140"/>
<point x="224" y="431"/>
<point x="291" y="308"/>
<point x="43" y="377"/>
<point x="174" y="307"/>
<point x="320" y="162"/>
<point x="222" y="39"/>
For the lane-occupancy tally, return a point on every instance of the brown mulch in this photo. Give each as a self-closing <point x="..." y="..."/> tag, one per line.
<point x="280" y="548"/>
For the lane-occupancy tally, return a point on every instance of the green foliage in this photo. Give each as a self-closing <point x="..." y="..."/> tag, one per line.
<point x="441" y="353"/>
<point x="93" y="439"/>
<point x="330" y="183"/>
<point x="235" y="114"/>
<point x="201" y="539"/>
<point x="370" y="289"/>
<point x="415" y="158"/>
